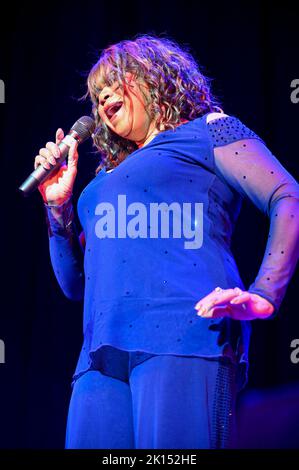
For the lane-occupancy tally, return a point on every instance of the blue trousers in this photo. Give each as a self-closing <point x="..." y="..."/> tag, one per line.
<point x="167" y="402"/>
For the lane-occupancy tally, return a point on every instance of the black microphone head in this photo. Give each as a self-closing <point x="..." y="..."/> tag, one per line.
<point x="84" y="127"/>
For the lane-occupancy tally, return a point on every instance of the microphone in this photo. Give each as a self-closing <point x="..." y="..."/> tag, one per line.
<point x="81" y="131"/>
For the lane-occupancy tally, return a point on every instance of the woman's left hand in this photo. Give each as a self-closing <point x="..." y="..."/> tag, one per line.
<point x="234" y="303"/>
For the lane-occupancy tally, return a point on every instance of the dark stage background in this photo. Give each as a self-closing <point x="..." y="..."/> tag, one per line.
<point x="251" y="52"/>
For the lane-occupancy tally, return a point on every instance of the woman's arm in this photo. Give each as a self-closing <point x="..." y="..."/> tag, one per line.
<point x="249" y="167"/>
<point x="66" y="249"/>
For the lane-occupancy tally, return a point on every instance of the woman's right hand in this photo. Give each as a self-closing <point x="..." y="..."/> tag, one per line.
<point x="58" y="187"/>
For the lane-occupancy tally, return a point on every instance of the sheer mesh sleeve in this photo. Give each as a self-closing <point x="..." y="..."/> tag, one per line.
<point x="245" y="163"/>
<point x="66" y="253"/>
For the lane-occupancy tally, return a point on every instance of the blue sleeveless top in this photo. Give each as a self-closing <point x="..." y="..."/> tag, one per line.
<point x="158" y="232"/>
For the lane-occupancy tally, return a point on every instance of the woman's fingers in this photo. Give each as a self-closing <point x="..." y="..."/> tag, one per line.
<point x="47" y="156"/>
<point x="244" y="297"/>
<point x="218" y="297"/>
<point x="236" y="312"/>
<point x="59" y="136"/>
<point x="245" y="306"/>
<point x="58" y="186"/>
<point x="219" y="311"/>
<point x="53" y="149"/>
<point x="40" y="160"/>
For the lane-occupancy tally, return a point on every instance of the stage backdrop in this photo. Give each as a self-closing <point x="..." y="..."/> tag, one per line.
<point x="251" y="53"/>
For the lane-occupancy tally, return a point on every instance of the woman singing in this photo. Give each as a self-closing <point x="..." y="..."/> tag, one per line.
<point x="166" y="314"/>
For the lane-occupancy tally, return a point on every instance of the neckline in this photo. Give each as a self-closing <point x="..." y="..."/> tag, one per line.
<point x="156" y="137"/>
<point x="161" y="133"/>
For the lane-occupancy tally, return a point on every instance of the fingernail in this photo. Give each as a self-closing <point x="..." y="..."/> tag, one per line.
<point x="202" y="310"/>
<point x="233" y="301"/>
<point x="52" y="160"/>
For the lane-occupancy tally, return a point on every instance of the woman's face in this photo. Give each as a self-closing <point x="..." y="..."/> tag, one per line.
<point x="124" y="109"/>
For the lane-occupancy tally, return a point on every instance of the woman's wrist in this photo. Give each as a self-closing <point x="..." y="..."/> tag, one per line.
<point x="59" y="216"/>
<point x="58" y="202"/>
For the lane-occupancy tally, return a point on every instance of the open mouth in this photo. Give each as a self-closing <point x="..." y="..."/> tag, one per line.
<point x="112" y="110"/>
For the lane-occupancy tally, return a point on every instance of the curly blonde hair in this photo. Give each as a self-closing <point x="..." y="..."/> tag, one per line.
<point x="178" y="89"/>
